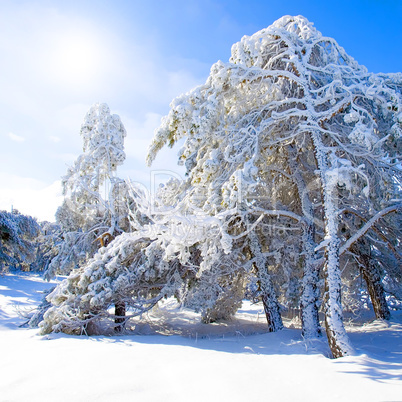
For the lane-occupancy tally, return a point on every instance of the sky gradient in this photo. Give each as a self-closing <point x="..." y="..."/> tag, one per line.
<point x="60" y="57"/>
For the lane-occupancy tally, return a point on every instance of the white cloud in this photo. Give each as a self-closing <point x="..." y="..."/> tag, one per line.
<point x="54" y="138"/>
<point x="15" y="137"/>
<point x="30" y="196"/>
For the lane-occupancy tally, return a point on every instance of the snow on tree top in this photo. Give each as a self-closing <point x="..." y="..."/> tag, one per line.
<point x="293" y="32"/>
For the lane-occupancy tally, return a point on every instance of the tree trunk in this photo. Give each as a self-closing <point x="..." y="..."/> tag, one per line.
<point x="310" y="293"/>
<point x="338" y="339"/>
<point x="374" y="286"/>
<point x="372" y="277"/>
<point x="120" y="313"/>
<point x="376" y="292"/>
<point x="266" y="287"/>
<point x="271" y="308"/>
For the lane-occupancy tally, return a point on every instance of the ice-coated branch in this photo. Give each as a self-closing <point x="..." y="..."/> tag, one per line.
<point x="368" y="225"/>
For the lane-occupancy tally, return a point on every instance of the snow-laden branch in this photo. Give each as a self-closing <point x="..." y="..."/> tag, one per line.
<point x="368" y="225"/>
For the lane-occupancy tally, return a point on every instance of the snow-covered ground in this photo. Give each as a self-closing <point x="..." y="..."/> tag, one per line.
<point x="232" y="361"/>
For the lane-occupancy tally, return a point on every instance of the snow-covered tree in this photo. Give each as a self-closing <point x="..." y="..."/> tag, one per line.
<point x="18" y="240"/>
<point x="283" y="144"/>
<point x="46" y="246"/>
<point x="95" y="207"/>
<point x="292" y="127"/>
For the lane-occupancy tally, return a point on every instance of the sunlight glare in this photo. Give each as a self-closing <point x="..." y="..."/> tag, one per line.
<point x="77" y="60"/>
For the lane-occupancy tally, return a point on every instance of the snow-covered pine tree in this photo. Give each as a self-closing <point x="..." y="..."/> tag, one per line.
<point x="95" y="207"/>
<point x="18" y="240"/>
<point x="46" y="246"/>
<point x="289" y="91"/>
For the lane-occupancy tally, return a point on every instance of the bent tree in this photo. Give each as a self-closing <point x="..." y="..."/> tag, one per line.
<point x="291" y="112"/>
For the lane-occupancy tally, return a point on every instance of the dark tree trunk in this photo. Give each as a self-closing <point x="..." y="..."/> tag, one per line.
<point x="272" y="313"/>
<point x="120" y="313"/>
<point x="372" y="277"/>
<point x="310" y="294"/>
<point x="374" y="286"/>
<point x="269" y="299"/>
<point x="266" y="287"/>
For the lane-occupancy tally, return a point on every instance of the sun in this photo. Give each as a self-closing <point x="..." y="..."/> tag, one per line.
<point x="76" y="59"/>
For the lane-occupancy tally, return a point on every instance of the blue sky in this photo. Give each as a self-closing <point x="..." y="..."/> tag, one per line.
<point x="60" y="57"/>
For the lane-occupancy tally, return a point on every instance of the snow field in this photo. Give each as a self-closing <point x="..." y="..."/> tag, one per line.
<point x="230" y="362"/>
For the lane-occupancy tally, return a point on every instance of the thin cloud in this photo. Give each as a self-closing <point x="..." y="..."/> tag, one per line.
<point x="15" y="137"/>
<point x="54" y="139"/>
